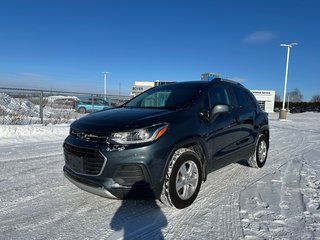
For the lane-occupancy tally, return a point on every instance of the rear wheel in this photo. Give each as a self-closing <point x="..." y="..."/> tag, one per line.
<point x="82" y="110"/>
<point x="259" y="157"/>
<point x="183" y="179"/>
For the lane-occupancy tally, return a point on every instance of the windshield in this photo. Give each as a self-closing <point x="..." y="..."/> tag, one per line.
<point x="169" y="97"/>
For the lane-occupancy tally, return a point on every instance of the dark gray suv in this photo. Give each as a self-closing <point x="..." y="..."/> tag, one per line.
<point x="164" y="142"/>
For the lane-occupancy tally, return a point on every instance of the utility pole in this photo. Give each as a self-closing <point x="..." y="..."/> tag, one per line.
<point x="105" y="85"/>
<point x="283" y="114"/>
<point x="119" y="102"/>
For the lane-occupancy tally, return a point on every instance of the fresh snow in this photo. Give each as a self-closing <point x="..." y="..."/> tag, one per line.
<point x="279" y="201"/>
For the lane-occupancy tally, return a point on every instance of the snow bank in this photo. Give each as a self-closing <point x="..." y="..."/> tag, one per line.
<point x="32" y="133"/>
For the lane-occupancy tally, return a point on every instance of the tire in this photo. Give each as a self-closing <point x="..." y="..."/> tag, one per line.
<point x="183" y="179"/>
<point x="259" y="157"/>
<point x="82" y="110"/>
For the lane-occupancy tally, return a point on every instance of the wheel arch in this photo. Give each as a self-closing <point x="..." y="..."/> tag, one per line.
<point x="265" y="131"/>
<point x="197" y="145"/>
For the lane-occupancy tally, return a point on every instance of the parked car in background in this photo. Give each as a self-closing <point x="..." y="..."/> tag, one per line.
<point x="64" y="103"/>
<point x="312" y="109"/>
<point x="164" y="142"/>
<point x="302" y="109"/>
<point x="85" y="105"/>
<point x="61" y="101"/>
<point x="297" y="110"/>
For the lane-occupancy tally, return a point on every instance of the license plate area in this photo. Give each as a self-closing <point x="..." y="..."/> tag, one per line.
<point x="75" y="163"/>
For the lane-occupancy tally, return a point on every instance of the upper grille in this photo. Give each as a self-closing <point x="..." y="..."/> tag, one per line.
<point x="86" y="136"/>
<point x="83" y="160"/>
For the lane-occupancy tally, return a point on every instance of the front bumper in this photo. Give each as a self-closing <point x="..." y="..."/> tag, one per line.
<point x="131" y="173"/>
<point x="100" y="191"/>
<point x="109" y="188"/>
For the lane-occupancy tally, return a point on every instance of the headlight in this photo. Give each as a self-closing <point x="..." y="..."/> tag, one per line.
<point x="142" y="135"/>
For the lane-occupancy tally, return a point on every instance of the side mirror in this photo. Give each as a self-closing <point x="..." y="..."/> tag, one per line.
<point x="219" y="109"/>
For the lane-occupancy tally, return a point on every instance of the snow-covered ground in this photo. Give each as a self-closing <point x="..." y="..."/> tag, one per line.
<point x="279" y="201"/>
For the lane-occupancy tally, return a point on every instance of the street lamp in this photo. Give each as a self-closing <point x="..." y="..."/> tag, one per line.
<point x="105" y="84"/>
<point x="289" y="46"/>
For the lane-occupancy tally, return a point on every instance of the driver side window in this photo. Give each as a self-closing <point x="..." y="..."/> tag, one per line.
<point x="218" y="95"/>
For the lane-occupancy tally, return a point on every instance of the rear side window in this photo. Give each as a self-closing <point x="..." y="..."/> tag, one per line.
<point x="243" y="98"/>
<point x="86" y="102"/>
<point x="100" y="102"/>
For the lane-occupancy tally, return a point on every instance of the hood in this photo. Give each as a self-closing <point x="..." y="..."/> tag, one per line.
<point x="119" y="119"/>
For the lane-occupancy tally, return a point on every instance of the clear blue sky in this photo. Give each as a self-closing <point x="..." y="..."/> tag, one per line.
<point x="67" y="44"/>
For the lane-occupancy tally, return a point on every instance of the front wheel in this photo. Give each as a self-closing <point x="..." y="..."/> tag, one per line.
<point x="183" y="179"/>
<point x="259" y="157"/>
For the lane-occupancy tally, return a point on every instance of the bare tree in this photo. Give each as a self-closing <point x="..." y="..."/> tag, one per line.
<point x="295" y="96"/>
<point x="277" y="98"/>
<point x="315" y="98"/>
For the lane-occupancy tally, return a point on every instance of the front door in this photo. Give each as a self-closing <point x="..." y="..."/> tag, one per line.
<point x="222" y="130"/>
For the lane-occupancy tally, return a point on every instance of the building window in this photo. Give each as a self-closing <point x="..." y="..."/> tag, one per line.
<point x="262" y="105"/>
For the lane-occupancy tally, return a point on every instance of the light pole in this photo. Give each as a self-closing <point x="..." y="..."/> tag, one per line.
<point x="105" y="84"/>
<point x="289" y="46"/>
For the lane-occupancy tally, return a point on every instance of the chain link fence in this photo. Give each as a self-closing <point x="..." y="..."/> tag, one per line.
<point x="33" y="106"/>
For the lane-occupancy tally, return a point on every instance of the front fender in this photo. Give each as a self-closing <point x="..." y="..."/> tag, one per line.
<point x="198" y="145"/>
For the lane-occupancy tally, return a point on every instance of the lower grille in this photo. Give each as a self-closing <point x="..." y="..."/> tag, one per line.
<point x="128" y="175"/>
<point x="83" y="160"/>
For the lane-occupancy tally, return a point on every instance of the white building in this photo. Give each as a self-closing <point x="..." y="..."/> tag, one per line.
<point x="265" y="99"/>
<point x="140" y="87"/>
<point x="209" y="76"/>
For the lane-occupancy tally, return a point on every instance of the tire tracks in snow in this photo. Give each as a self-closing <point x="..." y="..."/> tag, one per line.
<point x="286" y="217"/>
<point x="219" y="195"/>
<point x="30" y="151"/>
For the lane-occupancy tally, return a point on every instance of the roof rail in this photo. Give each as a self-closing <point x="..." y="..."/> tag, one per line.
<point x="227" y="80"/>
